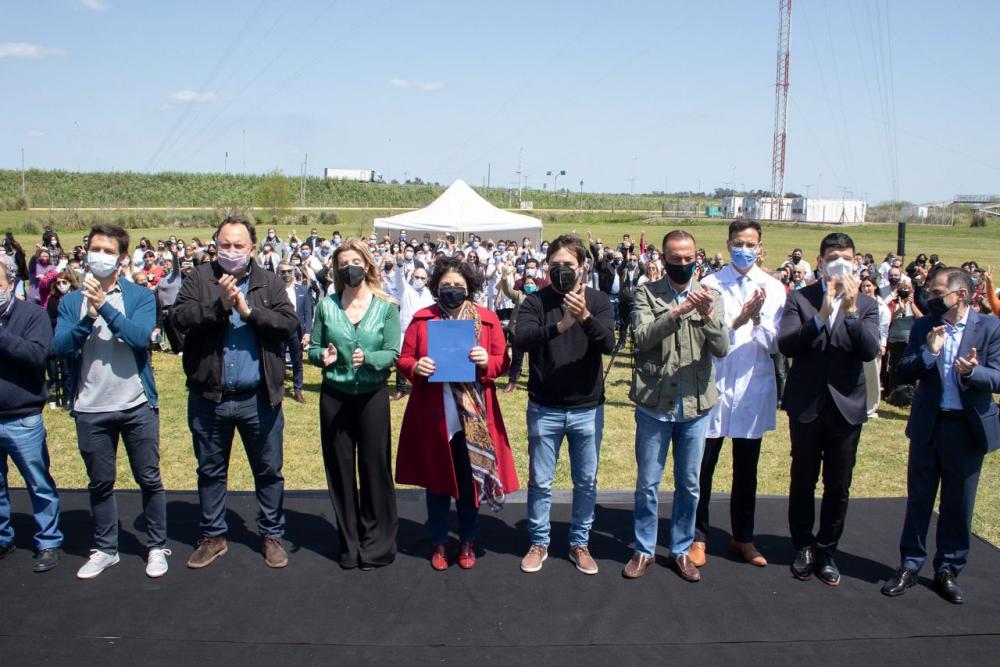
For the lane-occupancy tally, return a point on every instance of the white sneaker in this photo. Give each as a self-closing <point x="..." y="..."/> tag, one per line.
<point x="156" y="564"/>
<point x="99" y="562"/>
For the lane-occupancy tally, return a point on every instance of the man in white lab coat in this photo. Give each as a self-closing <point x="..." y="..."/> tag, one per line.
<point x="748" y="396"/>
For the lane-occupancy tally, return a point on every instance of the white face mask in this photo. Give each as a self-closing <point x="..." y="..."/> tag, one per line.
<point x="418" y="283"/>
<point x="839" y="267"/>
<point x="62" y="287"/>
<point x="101" y="264"/>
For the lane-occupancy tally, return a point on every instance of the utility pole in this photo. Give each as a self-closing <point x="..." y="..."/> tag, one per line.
<point x="244" y="151"/>
<point x="631" y="181"/>
<point x="23" y="190"/>
<point x="302" y="189"/>
<point x="520" y="153"/>
<point x="225" y="168"/>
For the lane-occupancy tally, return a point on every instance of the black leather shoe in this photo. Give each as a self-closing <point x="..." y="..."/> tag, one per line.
<point x="902" y="580"/>
<point x="946" y="586"/>
<point x="7" y="550"/>
<point x="802" y="566"/>
<point x="45" y="560"/>
<point x="826" y="568"/>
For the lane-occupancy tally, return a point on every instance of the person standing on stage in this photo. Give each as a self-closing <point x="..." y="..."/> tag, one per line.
<point x="25" y="338"/>
<point x="453" y="442"/>
<point x="954" y="356"/>
<point x="748" y="399"/>
<point x="679" y="328"/>
<point x="828" y="329"/>
<point x="104" y="330"/>
<point x="565" y="329"/>
<point x="356" y="342"/>
<point x="236" y="318"/>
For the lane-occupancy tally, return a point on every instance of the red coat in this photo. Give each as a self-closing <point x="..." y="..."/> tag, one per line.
<point x="424" y="454"/>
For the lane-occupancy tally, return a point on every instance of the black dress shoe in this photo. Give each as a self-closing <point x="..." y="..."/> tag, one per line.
<point x="946" y="586"/>
<point x="7" y="550"/>
<point x="802" y="566"/>
<point x="826" y="568"/>
<point x="45" y="560"/>
<point x="902" y="580"/>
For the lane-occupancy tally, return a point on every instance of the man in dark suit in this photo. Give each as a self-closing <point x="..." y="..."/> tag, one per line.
<point x="313" y="240"/>
<point x="829" y="330"/>
<point x="302" y="301"/>
<point x="954" y="356"/>
<point x="628" y="279"/>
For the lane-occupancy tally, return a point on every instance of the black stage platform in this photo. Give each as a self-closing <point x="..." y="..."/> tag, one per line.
<point x="239" y="612"/>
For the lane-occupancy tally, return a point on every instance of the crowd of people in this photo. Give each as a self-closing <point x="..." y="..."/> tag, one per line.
<point x="717" y="348"/>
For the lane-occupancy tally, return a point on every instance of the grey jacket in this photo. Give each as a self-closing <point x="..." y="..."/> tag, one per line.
<point x="675" y="355"/>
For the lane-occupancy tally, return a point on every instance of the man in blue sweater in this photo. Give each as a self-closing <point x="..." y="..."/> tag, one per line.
<point x="25" y="336"/>
<point x="104" y="330"/>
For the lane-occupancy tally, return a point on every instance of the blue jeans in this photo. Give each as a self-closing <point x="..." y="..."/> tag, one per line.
<point x="652" y="442"/>
<point x="23" y="440"/>
<point x="546" y="429"/>
<point x="261" y="429"/>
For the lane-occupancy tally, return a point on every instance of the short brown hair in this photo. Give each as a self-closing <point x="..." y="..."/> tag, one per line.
<point x="570" y="242"/>
<point x="110" y="230"/>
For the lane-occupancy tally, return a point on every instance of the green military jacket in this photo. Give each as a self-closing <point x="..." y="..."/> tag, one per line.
<point x="675" y="355"/>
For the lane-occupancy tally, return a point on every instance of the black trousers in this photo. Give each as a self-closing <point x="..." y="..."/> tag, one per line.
<point x="354" y="430"/>
<point x="831" y="444"/>
<point x="742" y="499"/>
<point x="98" y="435"/>
<point x="894" y="352"/>
<point x="174" y="337"/>
<point x="954" y="459"/>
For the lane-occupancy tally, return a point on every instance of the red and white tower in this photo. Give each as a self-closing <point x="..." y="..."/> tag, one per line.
<point x="780" y="107"/>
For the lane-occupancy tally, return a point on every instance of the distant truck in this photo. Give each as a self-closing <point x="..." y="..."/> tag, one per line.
<point x="359" y="175"/>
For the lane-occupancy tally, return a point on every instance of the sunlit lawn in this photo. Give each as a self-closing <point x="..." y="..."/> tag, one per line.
<point x="881" y="467"/>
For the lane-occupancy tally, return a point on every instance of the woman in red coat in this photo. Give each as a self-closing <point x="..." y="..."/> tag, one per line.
<point x="453" y="442"/>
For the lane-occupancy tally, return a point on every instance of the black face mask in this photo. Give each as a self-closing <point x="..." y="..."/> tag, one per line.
<point x="796" y="258"/>
<point x="351" y="275"/>
<point x="893" y="281"/>
<point x="563" y="278"/>
<point x="937" y="306"/>
<point x="452" y="297"/>
<point x="679" y="273"/>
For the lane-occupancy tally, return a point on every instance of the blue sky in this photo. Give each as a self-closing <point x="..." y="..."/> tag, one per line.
<point x="677" y="94"/>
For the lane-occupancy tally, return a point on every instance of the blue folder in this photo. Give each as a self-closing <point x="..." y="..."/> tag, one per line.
<point x="448" y="345"/>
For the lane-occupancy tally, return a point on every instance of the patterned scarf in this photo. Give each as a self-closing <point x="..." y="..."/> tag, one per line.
<point x="471" y="405"/>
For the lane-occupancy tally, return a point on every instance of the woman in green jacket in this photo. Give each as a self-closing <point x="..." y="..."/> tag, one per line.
<point x="355" y="340"/>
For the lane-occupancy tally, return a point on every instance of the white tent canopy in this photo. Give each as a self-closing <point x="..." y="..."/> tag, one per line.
<point x="460" y="210"/>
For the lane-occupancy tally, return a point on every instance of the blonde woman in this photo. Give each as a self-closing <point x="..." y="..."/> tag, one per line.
<point x="355" y="340"/>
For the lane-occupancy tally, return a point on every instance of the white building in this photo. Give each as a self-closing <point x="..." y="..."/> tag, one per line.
<point x="920" y="211"/>
<point x="732" y="207"/>
<point x="803" y="209"/>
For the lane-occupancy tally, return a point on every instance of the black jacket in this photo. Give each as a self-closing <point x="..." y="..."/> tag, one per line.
<point x="828" y="365"/>
<point x="198" y="314"/>
<point x="565" y="369"/>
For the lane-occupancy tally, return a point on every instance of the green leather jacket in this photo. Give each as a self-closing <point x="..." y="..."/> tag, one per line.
<point x="377" y="334"/>
<point x="674" y="355"/>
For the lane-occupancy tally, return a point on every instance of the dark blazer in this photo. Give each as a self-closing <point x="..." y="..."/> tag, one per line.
<point x="199" y="315"/>
<point x="827" y="364"/>
<point x="304" y="309"/>
<point x="976" y="390"/>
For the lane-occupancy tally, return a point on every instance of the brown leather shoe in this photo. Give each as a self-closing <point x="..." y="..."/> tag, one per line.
<point x="299" y="398"/>
<point x="637" y="565"/>
<point x="511" y="386"/>
<point x="209" y="548"/>
<point x="748" y="552"/>
<point x="697" y="554"/>
<point x="686" y="569"/>
<point x="580" y="556"/>
<point x="274" y="552"/>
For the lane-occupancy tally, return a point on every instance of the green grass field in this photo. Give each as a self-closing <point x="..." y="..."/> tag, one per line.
<point x="881" y="467"/>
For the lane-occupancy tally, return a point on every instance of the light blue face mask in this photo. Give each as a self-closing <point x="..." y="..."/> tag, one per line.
<point x="743" y="258"/>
